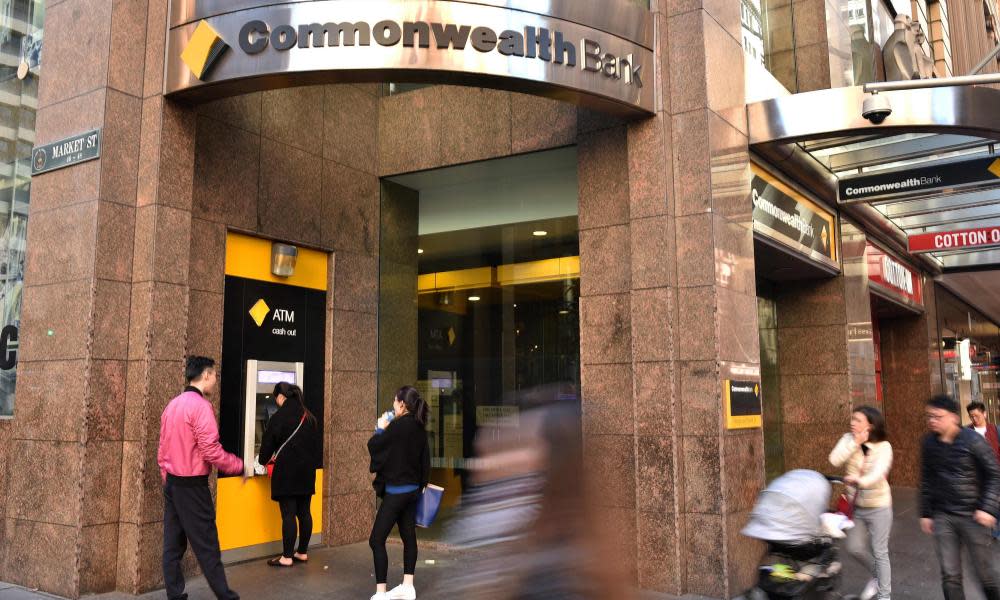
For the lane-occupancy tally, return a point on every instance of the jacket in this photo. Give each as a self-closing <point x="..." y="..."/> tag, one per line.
<point x="400" y="455"/>
<point x="870" y="465"/>
<point x="959" y="478"/>
<point x="992" y="438"/>
<point x="189" y="439"/>
<point x="295" y="469"/>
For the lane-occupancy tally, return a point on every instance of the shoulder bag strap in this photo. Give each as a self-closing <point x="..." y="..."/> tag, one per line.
<point x="282" y="447"/>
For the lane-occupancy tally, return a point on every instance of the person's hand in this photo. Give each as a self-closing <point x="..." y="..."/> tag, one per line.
<point x="383" y="423"/>
<point x="985" y="519"/>
<point x="851" y="480"/>
<point x="927" y="526"/>
<point x="860" y="437"/>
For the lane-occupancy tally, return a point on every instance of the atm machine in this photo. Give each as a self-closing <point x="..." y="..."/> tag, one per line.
<point x="259" y="405"/>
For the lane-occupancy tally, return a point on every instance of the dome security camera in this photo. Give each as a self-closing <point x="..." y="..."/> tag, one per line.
<point x="876" y="108"/>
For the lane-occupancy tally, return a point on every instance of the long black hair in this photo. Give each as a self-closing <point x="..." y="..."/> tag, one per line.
<point x="414" y="403"/>
<point x="877" y="421"/>
<point x="294" y="393"/>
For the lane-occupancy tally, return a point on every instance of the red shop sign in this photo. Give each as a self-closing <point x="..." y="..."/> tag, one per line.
<point x="893" y="276"/>
<point x="982" y="237"/>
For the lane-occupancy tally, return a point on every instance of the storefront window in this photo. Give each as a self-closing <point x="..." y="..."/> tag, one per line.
<point x="479" y="288"/>
<point x="20" y="43"/>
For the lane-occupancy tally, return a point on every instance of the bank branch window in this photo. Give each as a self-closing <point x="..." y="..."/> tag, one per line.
<point x="20" y="43"/>
<point x="479" y="288"/>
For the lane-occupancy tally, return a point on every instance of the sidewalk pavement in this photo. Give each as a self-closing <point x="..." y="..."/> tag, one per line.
<point x="346" y="572"/>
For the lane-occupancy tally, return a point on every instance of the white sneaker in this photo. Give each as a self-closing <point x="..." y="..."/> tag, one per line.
<point x="870" y="591"/>
<point x="403" y="592"/>
<point x="380" y="596"/>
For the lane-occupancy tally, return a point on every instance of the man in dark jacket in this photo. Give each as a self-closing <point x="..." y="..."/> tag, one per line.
<point x="959" y="497"/>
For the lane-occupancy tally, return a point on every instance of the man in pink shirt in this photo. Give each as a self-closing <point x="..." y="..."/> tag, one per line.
<point x="189" y="447"/>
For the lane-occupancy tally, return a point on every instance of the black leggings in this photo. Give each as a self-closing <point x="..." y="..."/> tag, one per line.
<point x="295" y="508"/>
<point x="396" y="509"/>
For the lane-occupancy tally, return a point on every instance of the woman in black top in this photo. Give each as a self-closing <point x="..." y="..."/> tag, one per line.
<point x="292" y="434"/>
<point x="401" y="459"/>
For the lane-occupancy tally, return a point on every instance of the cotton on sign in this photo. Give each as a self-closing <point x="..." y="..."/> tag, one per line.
<point x="955" y="240"/>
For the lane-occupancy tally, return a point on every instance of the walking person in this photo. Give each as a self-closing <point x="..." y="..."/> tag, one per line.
<point x="189" y="448"/>
<point x="867" y="457"/>
<point x="292" y="440"/>
<point x="977" y="412"/>
<point x="959" y="498"/>
<point x="401" y="460"/>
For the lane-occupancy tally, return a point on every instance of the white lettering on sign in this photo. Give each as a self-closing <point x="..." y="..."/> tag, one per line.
<point x="897" y="275"/>
<point x="284" y="316"/>
<point x="962" y="239"/>
<point x="283" y="331"/>
<point x="794" y="221"/>
<point x="910" y="182"/>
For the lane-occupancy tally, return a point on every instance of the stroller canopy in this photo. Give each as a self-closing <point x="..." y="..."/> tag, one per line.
<point x="789" y="509"/>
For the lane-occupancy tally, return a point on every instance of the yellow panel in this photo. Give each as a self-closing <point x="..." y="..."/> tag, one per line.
<point x="426" y="283"/>
<point x="250" y="257"/>
<point x="465" y="279"/>
<point x="552" y="269"/>
<point x="246" y="515"/>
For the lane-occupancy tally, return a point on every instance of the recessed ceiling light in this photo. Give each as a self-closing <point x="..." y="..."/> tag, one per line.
<point x="540" y="233"/>
<point x="420" y="250"/>
<point x="474" y="298"/>
<point x="564" y="312"/>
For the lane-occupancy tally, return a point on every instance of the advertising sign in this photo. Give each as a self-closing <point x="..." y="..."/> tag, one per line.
<point x="892" y="278"/>
<point x="782" y="214"/>
<point x="575" y="50"/>
<point x="743" y="406"/>
<point x="957" y="174"/>
<point x="983" y="237"/>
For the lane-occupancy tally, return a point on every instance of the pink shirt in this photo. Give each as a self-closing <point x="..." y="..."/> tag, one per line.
<point x="189" y="439"/>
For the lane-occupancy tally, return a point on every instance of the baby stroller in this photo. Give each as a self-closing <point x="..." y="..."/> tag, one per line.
<point x="801" y="560"/>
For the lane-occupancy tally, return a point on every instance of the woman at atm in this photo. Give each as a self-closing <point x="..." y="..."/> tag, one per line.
<point x="291" y="441"/>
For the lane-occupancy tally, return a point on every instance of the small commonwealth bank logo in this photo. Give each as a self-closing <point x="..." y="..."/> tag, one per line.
<point x="259" y="312"/>
<point x="203" y="50"/>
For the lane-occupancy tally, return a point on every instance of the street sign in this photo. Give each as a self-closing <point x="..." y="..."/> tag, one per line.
<point x="67" y="152"/>
<point x="979" y="172"/>
<point x="982" y="237"/>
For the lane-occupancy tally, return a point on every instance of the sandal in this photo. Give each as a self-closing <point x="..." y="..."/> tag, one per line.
<point x="276" y="562"/>
<point x="296" y="559"/>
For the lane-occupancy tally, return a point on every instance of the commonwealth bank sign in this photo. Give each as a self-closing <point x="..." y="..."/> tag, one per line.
<point x="594" y="53"/>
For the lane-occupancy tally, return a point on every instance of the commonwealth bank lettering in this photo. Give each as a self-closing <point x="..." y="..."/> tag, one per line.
<point x="536" y="43"/>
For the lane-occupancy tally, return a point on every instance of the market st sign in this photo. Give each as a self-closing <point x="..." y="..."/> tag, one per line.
<point x="594" y="59"/>
<point x="983" y="237"/>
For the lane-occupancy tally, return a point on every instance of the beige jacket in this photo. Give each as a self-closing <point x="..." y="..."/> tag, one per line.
<point x="871" y="469"/>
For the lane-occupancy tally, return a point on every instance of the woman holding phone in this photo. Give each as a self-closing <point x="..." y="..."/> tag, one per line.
<point x="291" y="439"/>
<point x="401" y="460"/>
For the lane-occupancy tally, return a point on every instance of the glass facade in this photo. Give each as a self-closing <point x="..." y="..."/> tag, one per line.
<point x="768" y="38"/>
<point x="479" y="288"/>
<point x="20" y="44"/>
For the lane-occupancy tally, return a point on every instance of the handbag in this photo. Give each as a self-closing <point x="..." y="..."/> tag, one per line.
<point x="845" y="505"/>
<point x="270" y="464"/>
<point x="428" y="505"/>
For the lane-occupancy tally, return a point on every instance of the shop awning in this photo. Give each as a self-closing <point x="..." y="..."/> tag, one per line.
<point x="932" y="166"/>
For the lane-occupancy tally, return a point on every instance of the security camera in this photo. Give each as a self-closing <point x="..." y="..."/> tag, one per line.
<point x="876" y="108"/>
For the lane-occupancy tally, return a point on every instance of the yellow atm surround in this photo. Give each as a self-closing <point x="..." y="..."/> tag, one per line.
<point x="246" y="515"/>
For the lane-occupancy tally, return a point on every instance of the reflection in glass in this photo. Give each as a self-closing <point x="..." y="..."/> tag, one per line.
<point x="20" y="44"/>
<point x="266" y="407"/>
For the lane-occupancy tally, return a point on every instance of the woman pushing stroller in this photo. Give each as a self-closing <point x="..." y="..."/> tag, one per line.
<point x="867" y="457"/>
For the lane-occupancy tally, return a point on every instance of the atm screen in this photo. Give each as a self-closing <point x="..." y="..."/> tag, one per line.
<point x="276" y="377"/>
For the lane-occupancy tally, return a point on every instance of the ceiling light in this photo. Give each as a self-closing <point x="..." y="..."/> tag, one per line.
<point x="474" y="298"/>
<point x="540" y="233"/>
<point x="564" y="312"/>
<point x="420" y="250"/>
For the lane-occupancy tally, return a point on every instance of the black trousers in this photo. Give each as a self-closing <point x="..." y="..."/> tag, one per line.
<point x="295" y="508"/>
<point x="401" y="510"/>
<point x="189" y="516"/>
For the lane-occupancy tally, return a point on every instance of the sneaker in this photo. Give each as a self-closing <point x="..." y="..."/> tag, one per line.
<point x="870" y="591"/>
<point x="380" y="596"/>
<point x="403" y="592"/>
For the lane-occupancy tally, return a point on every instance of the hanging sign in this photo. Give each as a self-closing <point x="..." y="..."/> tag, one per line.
<point x="67" y="152"/>
<point x="942" y="176"/>
<point x="892" y="277"/>
<point x="579" y="51"/>
<point x="983" y="237"/>
<point x="782" y="214"/>
<point x="743" y="406"/>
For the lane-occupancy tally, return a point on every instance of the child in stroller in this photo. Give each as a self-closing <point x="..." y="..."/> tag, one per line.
<point x="801" y="560"/>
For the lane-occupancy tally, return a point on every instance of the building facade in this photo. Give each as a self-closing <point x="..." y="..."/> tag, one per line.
<point x="482" y="242"/>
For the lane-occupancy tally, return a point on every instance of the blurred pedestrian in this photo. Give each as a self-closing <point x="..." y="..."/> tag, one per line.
<point x="291" y="440"/>
<point x="959" y="498"/>
<point x="401" y="460"/>
<point x="977" y="412"/>
<point x="189" y="447"/>
<point x="867" y="457"/>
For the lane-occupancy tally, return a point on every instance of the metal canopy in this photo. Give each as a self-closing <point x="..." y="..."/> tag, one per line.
<point x="825" y="133"/>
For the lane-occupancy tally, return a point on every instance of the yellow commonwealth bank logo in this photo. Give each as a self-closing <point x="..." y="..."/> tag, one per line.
<point x="259" y="312"/>
<point x="203" y="50"/>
